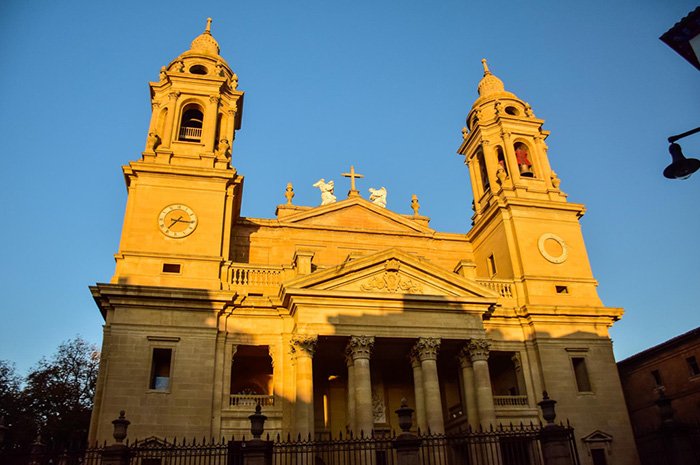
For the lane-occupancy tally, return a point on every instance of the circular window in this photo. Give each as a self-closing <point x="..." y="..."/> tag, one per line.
<point x="512" y="111"/>
<point x="553" y="248"/>
<point x="198" y="69"/>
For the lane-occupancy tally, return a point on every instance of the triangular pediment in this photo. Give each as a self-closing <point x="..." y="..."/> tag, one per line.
<point x="393" y="272"/>
<point x="356" y="214"/>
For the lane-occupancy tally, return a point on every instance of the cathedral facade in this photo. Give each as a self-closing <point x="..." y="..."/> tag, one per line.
<point x="328" y="316"/>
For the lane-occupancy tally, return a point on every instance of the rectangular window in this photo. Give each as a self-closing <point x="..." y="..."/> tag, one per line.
<point x="693" y="366"/>
<point x="598" y="456"/>
<point x="581" y="373"/>
<point x="171" y="267"/>
<point x="160" y="369"/>
<point x="491" y="262"/>
<point x="562" y="289"/>
<point x="657" y="377"/>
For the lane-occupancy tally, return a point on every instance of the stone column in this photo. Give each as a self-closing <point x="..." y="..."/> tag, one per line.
<point x="360" y="348"/>
<point x="465" y="364"/>
<point x="350" y="399"/>
<point x="479" y="354"/>
<point x="303" y="348"/>
<point x="418" y="392"/>
<point x="427" y="349"/>
<point x="170" y="122"/>
<point x="210" y="121"/>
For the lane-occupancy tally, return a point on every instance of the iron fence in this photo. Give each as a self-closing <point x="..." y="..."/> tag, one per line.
<point x="511" y="445"/>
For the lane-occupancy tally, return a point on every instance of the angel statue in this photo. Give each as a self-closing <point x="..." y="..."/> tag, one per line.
<point x="378" y="196"/>
<point x="326" y="191"/>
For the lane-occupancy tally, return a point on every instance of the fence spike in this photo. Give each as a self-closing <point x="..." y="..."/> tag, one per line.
<point x="340" y="435"/>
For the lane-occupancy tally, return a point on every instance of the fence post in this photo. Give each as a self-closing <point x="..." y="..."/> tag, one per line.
<point x="406" y="444"/>
<point x="117" y="454"/>
<point x="554" y="438"/>
<point x="256" y="451"/>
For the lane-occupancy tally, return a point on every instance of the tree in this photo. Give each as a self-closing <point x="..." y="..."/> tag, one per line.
<point x="13" y="406"/>
<point x="59" y="391"/>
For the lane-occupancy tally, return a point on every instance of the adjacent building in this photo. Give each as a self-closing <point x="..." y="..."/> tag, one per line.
<point x="328" y="315"/>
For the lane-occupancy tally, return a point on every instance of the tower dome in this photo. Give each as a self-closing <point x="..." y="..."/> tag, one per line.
<point x="489" y="84"/>
<point x="205" y="42"/>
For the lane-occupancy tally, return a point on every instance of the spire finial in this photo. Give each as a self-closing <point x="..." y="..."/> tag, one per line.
<point x="486" y="66"/>
<point x="208" y="29"/>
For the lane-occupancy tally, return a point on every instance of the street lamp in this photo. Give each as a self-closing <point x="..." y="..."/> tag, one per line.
<point x="681" y="167"/>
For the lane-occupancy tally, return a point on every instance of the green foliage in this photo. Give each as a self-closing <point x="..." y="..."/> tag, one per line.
<point x="56" y="398"/>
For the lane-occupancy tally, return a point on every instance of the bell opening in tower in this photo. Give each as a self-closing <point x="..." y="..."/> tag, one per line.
<point x="191" y="124"/>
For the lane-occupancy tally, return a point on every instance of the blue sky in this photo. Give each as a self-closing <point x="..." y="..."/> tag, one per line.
<point x="381" y="85"/>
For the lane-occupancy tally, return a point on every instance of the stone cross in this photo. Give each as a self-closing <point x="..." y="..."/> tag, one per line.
<point x="352" y="175"/>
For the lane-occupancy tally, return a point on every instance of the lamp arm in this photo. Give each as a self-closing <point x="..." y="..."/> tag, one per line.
<point x="672" y="139"/>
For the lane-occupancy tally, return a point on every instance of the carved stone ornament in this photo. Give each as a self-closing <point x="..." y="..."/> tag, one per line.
<point x="234" y="81"/>
<point x="415" y="206"/>
<point x="479" y="349"/>
<point x="360" y="347"/>
<point x="464" y="357"/>
<point x="556" y="182"/>
<point x="378" y="407"/>
<point x="427" y="348"/>
<point x="152" y="142"/>
<point x="304" y="344"/>
<point x="174" y="95"/>
<point x="392" y="281"/>
<point x="465" y="133"/>
<point x="289" y="193"/>
<point x="224" y="149"/>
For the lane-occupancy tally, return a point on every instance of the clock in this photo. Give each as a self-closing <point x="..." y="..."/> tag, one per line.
<point x="177" y="221"/>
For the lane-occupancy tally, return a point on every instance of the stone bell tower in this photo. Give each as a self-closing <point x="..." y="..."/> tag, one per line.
<point x="183" y="194"/>
<point x="523" y="227"/>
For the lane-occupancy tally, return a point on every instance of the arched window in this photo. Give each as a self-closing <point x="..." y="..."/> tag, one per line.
<point x="482" y="170"/>
<point x="501" y="160"/>
<point x="522" y="155"/>
<point x="191" y="124"/>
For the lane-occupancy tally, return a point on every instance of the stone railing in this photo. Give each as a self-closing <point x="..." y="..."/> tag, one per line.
<point x="251" y="400"/>
<point x="503" y="287"/>
<point x="189" y="133"/>
<point x="510" y="401"/>
<point x="264" y="279"/>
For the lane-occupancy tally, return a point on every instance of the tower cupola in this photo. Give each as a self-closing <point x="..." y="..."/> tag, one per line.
<point x="197" y="108"/>
<point x="503" y="145"/>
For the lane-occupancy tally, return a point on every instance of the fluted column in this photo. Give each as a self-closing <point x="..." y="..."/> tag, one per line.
<point x="467" y="368"/>
<point x="303" y="348"/>
<point x="350" y="411"/>
<point x="360" y="348"/>
<point x="427" y="349"/>
<point x="170" y="119"/>
<point x="418" y="391"/>
<point x="479" y="354"/>
<point x="210" y="122"/>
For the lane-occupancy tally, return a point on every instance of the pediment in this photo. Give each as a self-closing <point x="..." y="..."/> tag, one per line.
<point x="393" y="272"/>
<point x="353" y="214"/>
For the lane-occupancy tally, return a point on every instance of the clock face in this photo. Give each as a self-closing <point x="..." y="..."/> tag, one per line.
<point x="177" y="221"/>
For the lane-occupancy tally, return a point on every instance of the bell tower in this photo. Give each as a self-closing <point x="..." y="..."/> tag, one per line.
<point x="523" y="227"/>
<point x="183" y="194"/>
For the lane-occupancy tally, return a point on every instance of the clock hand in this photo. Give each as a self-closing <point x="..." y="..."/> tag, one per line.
<point x="179" y="218"/>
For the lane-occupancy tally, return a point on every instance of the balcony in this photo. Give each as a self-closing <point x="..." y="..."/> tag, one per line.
<point x="510" y="401"/>
<point x="502" y="287"/>
<point x="249" y="401"/>
<point x="190" y="134"/>
<point x="263" y="279"/>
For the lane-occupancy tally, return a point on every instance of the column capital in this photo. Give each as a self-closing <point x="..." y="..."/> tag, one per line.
<point x="464" y="357"/>
<point x="304" y="344"/>
<point x="360" y="347"/>
<point x="414" y="359"/>
<point x="427" y="348"/>
<point x="479" y="349"/>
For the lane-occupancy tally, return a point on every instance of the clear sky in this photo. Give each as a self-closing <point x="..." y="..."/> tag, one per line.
<point x="382" y="85"/>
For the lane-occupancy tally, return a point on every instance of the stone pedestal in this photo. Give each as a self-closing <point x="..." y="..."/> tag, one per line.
<point x="257" y="452"/>
<point x="117" y="454"/>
